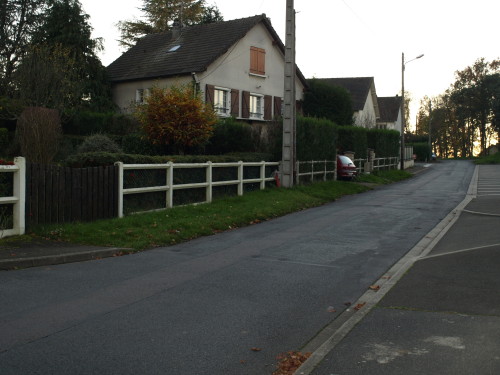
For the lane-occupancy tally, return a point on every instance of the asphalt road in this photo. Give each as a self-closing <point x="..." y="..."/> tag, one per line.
<point x="202" y="306"/>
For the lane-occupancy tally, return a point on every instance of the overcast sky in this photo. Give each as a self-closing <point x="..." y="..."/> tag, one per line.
<point x="357" y="38"/>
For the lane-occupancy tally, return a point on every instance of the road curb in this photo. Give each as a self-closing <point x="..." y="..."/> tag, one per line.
<point x="326" y="340"/>
<point x="12" y="264"/>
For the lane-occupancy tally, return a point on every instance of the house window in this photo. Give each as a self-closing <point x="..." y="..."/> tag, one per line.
<point x="141" y="95"/>
<point x="256" y="106"/>
<point x="257" y="61"/>
<point x="222" y="103"/>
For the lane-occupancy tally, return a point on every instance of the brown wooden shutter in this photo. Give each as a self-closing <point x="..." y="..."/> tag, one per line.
<point x="268" y="107"/>
<point x="277" y="106"/>
<point x="257" y="60"/>
<point x="235" y="103"/>
<point x="209" y="94"/>
<point x="245" y="104"/>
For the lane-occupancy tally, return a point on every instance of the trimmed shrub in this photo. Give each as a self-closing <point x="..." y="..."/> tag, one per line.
<point x="422" y="150"/>
<point x="136" y="143"/>
<point x="97" y="143"/>
<point x="88" y="123"/>
<point x="231" y="135"/>
<point x="384" y="142"/>
<point x="352" y="138"/>
<point x="316" y="139"/>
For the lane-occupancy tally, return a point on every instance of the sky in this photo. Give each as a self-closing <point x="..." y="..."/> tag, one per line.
<point x="356" y="38"/>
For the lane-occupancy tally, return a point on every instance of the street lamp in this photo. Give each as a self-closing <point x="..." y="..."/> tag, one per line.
<point x="403" y="120"/>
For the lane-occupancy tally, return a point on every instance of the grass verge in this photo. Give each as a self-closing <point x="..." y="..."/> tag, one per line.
<point x="491" y="159"/>
<point x="179" y="224"/>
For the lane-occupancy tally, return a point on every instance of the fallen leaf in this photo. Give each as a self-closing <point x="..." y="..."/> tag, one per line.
<point x="386" y="277"/>
<point x="242" y="361"/>
<point x="331" y="309"/>
<point x="359" y="306"/>
<point x="375" y="287"/>
<point x="255" y="349"/>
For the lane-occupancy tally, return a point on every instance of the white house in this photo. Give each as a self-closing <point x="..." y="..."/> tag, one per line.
<point x="237" y="64"/>
<point x="390" y="113"/>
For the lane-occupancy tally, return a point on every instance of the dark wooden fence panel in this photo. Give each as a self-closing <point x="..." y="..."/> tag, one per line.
<point x="61" y="195"/>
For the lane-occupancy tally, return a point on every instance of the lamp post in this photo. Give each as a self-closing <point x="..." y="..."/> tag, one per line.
<point x="403" y="120"/>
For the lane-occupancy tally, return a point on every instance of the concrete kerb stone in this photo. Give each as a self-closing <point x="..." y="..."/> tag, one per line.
<point x="331" y="335"/>
<point x="10" y="264"/>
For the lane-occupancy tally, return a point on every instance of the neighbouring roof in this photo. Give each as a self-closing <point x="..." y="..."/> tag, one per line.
<point x="358" y="87"/>
<point x="389" y="107"/>
<point x="200" y="45"/>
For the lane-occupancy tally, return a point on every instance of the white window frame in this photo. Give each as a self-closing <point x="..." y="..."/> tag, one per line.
<point x="141" y="95"/>
<point x="225" y="109"/>
<point x="256" y="104"/>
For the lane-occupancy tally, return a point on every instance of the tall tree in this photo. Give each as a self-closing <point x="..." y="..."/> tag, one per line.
<point x="65" y="30"/>
<point x="18" y="20"/>
<point x="471" y="94"/>
<point x="159" y="15"/>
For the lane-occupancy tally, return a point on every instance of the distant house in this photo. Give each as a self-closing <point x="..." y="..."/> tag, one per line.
<point x="238" y="65"/>
<point x="390" y="113"/>
<point x="364" y="98"/>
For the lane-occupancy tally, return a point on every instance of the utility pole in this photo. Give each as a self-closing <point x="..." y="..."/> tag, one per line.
<point x="430" y="128"/>
<point x="403" y="122"/>
<point x="289" y="110"/>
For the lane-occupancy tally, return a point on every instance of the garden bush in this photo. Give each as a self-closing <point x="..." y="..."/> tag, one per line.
<point x="231" y="135"/>
<point x="97" y="143"/>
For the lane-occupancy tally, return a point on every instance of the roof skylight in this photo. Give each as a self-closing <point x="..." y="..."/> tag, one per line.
<point x="174" y="48"/>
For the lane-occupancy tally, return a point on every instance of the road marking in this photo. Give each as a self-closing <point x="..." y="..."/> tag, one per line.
<point x="458" y="251"/>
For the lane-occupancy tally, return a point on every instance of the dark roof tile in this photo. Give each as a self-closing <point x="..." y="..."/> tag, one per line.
<point x="389" y="107"/>
<point x="200" y="45"/>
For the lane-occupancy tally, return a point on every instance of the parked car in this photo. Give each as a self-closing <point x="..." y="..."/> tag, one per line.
<point x="345" y="168"/>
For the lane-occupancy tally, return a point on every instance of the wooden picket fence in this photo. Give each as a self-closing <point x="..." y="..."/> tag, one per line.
<point x="60" y="194"/>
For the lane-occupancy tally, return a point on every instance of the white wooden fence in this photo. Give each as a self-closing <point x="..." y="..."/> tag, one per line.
<point x="169" y="187"/>
<point x="316" y="168"/>
<point x="386" y="163"/>
<point x="17" y="199"/>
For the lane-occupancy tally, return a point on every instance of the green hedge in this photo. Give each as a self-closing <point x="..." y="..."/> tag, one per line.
<point x="384" y="142"/>
<point x="422" y="150"/>
<point x="88" y="123"/>
<point x="353" y="138"/>
<point x="95" y="159"/>
<point x="231" y="135"/>
<point x="316" y="139"/>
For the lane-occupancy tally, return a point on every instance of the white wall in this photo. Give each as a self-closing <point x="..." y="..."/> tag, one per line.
<point x="367" y="117"/>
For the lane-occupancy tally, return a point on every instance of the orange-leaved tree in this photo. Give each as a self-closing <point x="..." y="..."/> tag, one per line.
<point x="176" y="116"/>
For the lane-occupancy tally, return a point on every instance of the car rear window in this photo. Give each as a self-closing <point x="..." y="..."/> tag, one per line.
<point x="345" y="160"/>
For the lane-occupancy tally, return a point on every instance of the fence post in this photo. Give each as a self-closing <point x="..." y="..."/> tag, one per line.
<point x="297" y="165"/>
<point x="312" y="171"/>
<point x="170" y="185"/>
<point x="262" y="175"/>
<point x="119" y="164"/>
<point x="240" y="178"/>
<point x="208" y="192"/>
<point x="19" y="219"/>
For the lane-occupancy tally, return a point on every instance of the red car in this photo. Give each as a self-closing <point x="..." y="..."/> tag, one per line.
<point x="345" y="168"/>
